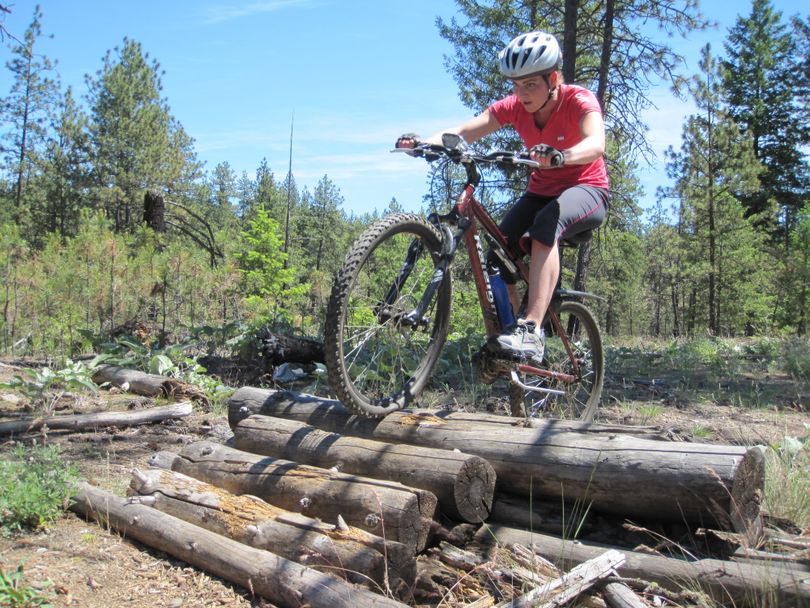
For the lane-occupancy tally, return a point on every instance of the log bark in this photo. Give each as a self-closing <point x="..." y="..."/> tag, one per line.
<point x="100" y="419"/>
<point x="727" y="582"/>
<point x="352" y="553"/>
<point x="617" y="473"/>
<point x="535" y="514"/>
<point x="464" y="484"/>
<point x="383" y="508"/>
<point x="279" y="580"/>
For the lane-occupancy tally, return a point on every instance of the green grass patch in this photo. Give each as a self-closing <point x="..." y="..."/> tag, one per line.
<point x="743" y="372"/>
<point x="15" y="594"/>
<point x="35" y="485"/>
<point x="787" y="489"/>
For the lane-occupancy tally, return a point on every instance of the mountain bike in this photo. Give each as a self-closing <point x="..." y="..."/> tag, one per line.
<point x="388" y="314"/>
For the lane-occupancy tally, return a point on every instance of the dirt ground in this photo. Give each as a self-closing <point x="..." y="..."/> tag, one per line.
<point x="78" y="563"/>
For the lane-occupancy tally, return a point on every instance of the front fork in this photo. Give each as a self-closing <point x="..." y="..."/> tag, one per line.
<point x="416" y="318"/>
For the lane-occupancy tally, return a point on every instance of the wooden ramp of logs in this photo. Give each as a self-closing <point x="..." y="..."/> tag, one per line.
<point x="310" y="505"/>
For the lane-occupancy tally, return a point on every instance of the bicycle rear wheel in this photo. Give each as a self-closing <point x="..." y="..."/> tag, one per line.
<point x="579" y="399"/>
<point x="379" y="356"/>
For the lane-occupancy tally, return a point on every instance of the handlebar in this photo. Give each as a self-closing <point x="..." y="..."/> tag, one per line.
<point x="431" y="152"/>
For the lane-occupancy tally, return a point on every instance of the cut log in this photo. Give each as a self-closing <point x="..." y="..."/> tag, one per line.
<point x="279" y="580"/>
<point x="463" y="483"/>
<point x="617" y="473"/>
<point x="352" y="553"/>
<point x="100" y="419"/>
<point x="727" y="582"/>
<point x="384" y="508"/>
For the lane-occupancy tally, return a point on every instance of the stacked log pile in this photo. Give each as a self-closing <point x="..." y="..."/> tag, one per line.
<point x="434" y="507"/>
<point x="615" y="471"/>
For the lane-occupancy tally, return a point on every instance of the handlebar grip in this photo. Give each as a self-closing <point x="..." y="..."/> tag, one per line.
<point x="557" y="158"/>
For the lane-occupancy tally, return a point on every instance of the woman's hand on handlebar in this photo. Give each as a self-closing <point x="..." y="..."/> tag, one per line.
<point x="408" y="140"/>
<point x="546" y="156"/>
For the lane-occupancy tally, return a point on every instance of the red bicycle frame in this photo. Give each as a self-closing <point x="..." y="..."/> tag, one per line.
<point x="469" y="207"/>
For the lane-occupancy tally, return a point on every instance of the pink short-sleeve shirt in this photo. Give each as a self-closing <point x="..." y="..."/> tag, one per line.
<point x="561" y="131"/>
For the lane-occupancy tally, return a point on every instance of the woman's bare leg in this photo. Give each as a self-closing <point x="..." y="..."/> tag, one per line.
<point x="544" y="270"/>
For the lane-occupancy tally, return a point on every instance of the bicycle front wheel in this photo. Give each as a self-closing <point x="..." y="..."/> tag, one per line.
<point x="380" y="348"/>
<point x="573" y="350"/>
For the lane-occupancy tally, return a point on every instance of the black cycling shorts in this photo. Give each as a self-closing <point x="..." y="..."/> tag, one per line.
<point x="547" y="219"/>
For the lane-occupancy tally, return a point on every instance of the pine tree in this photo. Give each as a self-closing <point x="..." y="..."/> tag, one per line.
<point x="138" y="145"/>
<point x="64" y="172"/>
<point x="267" y="284"/>
<point x="715" y="166"/>
<point x="763" y="81"/>
<point x="662" y="273"/>
<point x="26" y="109"/>
<point x="798" y="274"/>
<point x="223" y="185"/>
<point x="268" y="193"/>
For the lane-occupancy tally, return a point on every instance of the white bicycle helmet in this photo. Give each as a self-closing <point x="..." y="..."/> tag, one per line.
<point x="529" y="54"/>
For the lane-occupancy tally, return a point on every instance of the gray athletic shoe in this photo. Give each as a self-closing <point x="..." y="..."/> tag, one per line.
<point x="525" y="341"/>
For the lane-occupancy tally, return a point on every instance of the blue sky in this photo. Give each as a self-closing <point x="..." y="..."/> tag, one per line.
<point x="354" y="74"/>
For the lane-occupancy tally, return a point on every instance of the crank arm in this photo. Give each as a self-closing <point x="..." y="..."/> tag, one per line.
<point x="535" y="389"/>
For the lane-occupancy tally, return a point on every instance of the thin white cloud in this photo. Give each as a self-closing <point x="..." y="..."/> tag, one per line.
<point x="218" y="14"/>
<point x="665" y="121"/>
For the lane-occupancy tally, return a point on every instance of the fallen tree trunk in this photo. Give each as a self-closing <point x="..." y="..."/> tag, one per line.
<point x="278" y="348"/>
<point x="636" y="477"/>
<point x="100" y="419"/>
<point x="279" y="580"/>
<point x="348" y="553"/>
<point x="726" y="582"/>
<point x="385" y="508"/>
<point x="149" y="385"/>
<point x="464" y="484"/>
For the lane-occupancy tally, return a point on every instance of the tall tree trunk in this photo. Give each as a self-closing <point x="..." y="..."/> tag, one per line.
<point x="570" y="40"/>
<point x="604" y="59"/>
<point x="23" y="138"/>
<point x="713" y="305"/>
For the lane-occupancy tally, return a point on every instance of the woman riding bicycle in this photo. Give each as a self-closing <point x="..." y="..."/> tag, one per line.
<point x="561" y="125"/>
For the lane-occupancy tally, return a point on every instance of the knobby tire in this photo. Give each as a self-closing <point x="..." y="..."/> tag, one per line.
<point x="376" y="363"/>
